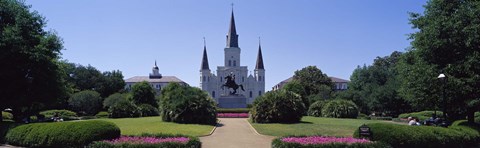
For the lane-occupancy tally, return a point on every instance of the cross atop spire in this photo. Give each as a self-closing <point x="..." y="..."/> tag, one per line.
<point x="232" y="36"/>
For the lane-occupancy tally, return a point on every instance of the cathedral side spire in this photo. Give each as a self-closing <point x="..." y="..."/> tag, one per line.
<point x="232" y="36"/>
<point x="205" y="58"/>
<point x="259" y="64"/>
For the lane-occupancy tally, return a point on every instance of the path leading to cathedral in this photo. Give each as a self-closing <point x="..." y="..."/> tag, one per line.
<point x="235" y="133"/>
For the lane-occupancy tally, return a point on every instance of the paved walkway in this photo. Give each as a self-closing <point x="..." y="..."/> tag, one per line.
<point x="236" y="133"/>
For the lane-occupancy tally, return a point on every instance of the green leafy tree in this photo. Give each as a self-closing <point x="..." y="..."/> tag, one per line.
<point x="112" y="83"/>
<point x="376" y="87"/>
<point x="447" y="41"/>
<point x="143" y="93"/>
<point x="310" y="81"/>
<point x="86" y="102"/>
<point x="87" y="78"/>
<point x="31" y="77"/>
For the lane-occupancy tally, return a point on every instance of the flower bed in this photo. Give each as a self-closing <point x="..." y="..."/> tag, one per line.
<point x="149" y="140"/>
<point x="323" y="141"/>
<point x="232" y="115"/>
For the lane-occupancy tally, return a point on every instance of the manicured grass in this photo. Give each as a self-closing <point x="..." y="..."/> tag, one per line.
<point x="314" y="126"/>
<point x="155" y="125"/>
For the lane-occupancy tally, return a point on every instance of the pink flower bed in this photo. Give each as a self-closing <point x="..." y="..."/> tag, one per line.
<point x="147" y="140"/>
<point x="232" y="115"/>
<point x="323" y="140"/>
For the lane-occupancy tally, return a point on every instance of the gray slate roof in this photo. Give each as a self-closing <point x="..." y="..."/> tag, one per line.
<point x="164" y="79"/>
<point x="338" y="80"/>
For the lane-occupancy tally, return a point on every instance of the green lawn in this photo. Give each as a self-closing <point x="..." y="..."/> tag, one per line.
<point x="314" y="126"/>
<point x="136" y="126"/>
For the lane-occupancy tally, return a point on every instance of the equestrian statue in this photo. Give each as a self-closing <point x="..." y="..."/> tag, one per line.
<point x="230" y="83"/>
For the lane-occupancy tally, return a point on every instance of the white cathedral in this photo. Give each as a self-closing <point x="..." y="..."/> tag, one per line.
<point x="254" y="85"/>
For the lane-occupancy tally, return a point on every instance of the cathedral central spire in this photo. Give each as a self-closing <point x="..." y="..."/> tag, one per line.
<point x="205" y="57"/>
<point x="232" y="36"/>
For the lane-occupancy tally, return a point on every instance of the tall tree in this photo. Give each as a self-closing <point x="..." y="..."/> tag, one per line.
<point x="87" y="78"/>
<point x="31" y="77"/>
<point x="375" y="87"/>
<point x="448" y="40"/>
<point x="313" y="83"/>
<point x="143" y="93"/>
<point x="112" y="83"/>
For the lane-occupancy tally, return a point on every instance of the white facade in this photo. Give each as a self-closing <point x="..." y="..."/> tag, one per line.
<point x="254" y="85"/>
<point x="155" y="79"/>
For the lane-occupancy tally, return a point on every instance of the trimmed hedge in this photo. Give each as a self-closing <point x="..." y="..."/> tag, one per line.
<point x="278" y="143"/>
<point x="62" y="134"/>
<point x="233" y="110"/>
<point x="7" y="116"/>
<point x="424" y="136"/>
<point x="194" y="142"/>
<point x="5" y="126"/>
<point x="423" y="115"/>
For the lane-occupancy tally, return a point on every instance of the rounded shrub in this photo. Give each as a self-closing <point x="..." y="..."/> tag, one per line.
<point x="86" y="102"/>
<point x="316" y="109"/>
<point x="62" y="134"/>
<point x="185" y="104"/>
<point x="423" y="136"/>
<point x="423" y="115"/>
<point x="124" y="109"/>
<point x="339" y="108"/>
<point x="148" y="110"/>
<point x="102" y="114"/>
<point x="113" y="99"/>
<point x="278" y="107"/>
<point x="7" y="116"/>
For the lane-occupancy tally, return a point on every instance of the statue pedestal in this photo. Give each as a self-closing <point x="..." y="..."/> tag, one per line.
<point x="232" y="101"/>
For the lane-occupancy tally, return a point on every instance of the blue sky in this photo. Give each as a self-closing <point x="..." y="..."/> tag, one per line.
<point x="334" y="35"/>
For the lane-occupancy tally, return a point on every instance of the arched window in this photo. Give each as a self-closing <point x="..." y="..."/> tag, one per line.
<point x="243" y="79"/>
<point x="229" y="63"/>
<point x="251" y="94"/>
<point x="259" y="78"/>
<point x="234" y="63"/>
<point x="213" y="94"/>
<point x="259" y="93"/>
<point x="221" y="79"/>
<point x="204" y="79"/>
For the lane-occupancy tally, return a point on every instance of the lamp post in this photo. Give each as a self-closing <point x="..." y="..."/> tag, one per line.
<point x="443" y="78"/>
